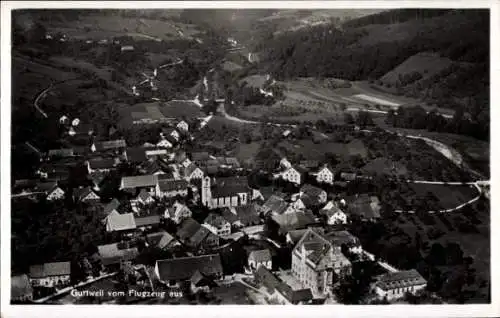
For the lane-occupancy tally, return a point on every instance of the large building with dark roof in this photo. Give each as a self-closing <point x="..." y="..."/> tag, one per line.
<point x="50" y="274"/>
<point x="172" y="271"/>
<point x="225" y="192"/>
<point x="395" y="285"/>
<point x="315" y="260"/>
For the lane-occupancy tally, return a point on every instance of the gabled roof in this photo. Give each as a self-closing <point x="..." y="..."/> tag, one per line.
<point x="229" y="186"/>
<point x="46" y="187"/>
<point x="144" y="195"/>
<point x="63" y="152"/>
<point x="183" y="268"/>
<point x="20" y="286"/>
<point x="102" y="163"/>
<point x="294" y="296"/>
<point x="110" y="144"/>
<point x="114" y="253"/>
<point x="309" y="164"/>
<point x="311" y="190"/>
<point x="274" y="203"/>
<point x="160" y="239"/>
<point x="146" y="220"/>
<point x="296" y="235"/>
<point x="133" y="182"/>
<point x="260" y="256"/>
<point x="247" y="214"/>
<point x="81" y="193"/>
<point x="200" y="156"/>
<point x="400" y="279"/>
<point x="50" y="269"/>
<point x="176" y="208"/>
<point x="120" y="222"/>
<point x="266" y="278"/>
<point x="172" y="185"/>
<point x="190" y="169"/>
<point x="187" y="229"/>
<point x="342" y="237"/>
<point x="136" y="155"/>
<point x="108" y="208"/>
<point x="215" y="220"/>
<point x="293" y="221"/>
<point x="315" y="244"/>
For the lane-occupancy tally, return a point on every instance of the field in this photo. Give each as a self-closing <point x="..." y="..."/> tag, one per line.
<point x="254" y="80"/>
<point x="385" y="166"/>
<point x="317" y="151"/>
<point x="159" y="111"/>
<point x="231" y="66"/>
<point x="97" y="26"/>
<point x="427" y="64"/>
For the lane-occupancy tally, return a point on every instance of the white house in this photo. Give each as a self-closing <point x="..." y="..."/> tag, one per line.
<point x="334" y="215"/>
<point x="55" y="194"/>
<point x="285" y="164"/>
<point x="164" y="143"/>
<point x="50" y="274"/>
<point x="193" y="172"/>
<point x="217" y="224"/>
<point x="75" y="122"/>
<point x="177" y="212"/>
<point x="85" y="195"/>
<point x="292" y="175"/>
<point x="325" y="175"/>
<point x="182" y="125"/>
<point x="298" y="204"/>
<point x="260" y="257"/>
<point x="170" y="188"/>
<point x="394" y="285"/>
<point x="63" y="119"/>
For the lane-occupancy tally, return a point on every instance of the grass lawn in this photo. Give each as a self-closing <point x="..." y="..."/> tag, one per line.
<point x="247" y="152"/>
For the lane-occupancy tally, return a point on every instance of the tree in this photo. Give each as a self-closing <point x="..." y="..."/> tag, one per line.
<point x="364" y="119"/>
<point x="348" y="118"/>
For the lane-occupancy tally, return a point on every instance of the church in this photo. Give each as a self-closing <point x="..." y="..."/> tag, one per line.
<point x="226" y="192"/>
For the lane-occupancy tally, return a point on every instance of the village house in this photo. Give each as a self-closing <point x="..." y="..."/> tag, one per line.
<point x="112" y="255"/>
<point x="334" y="215"/>
<point x="285" y="295"/>
<point x="193" y="172"/>
<point x="217" y="224"/>
<point x="345" y="238"/>
<point x="164" y="143"/>
<point x="20" y="289"/>
<point x="143" y="199"/>
<point x="315" y="260"/>
<point x="177" y="212"/>
<point x="201" y="282"/>
<point x="260" y="257"/>
<point x="394" y="285"/>
<point x="146" y="222"/>
<point x="171" y="133"/>
<point x="243" y="215"/>
<point x="154" y="167"/>
<point x="193" y="235"/>
<point x="55" y="274"/>
<point x="176" y="270"/>
<point x="101" y="164"/>
<point x="86" y="195"/>
<point x="134" y="183"/>
<point x="325" y="175"/>
<point x="182" y="125"/>
<point x="312" y="196"/>
<point x="161" y="240"/>
<point x="285" y="164"/>
<point x="117" y="146"/>
<point x="110" y="209"/>
<point x="168" y="188"/>
<point x="51" y="190"/>
<point x="294" y="236"/>
<point x="225" y="192"/>
<point x="275" y="204"/>
<point x="293" y="221"/>
<point x="293" y="175"/>
<point x="61" y="153"/>
<point x="120" y="222"/>
<point x="63" y="120"/>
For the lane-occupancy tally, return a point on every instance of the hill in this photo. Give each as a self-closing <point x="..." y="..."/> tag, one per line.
<point x="394" y="47"/>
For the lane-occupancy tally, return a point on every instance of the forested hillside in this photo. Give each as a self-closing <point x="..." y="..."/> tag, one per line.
<point x="370" y="47"/>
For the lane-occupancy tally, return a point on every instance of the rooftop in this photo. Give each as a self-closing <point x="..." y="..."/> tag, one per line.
<point x="183" y="268"/>
<point x="50" y="269"/>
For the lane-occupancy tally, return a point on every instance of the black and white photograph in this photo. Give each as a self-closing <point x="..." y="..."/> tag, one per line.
<point x="248" y="156"/>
